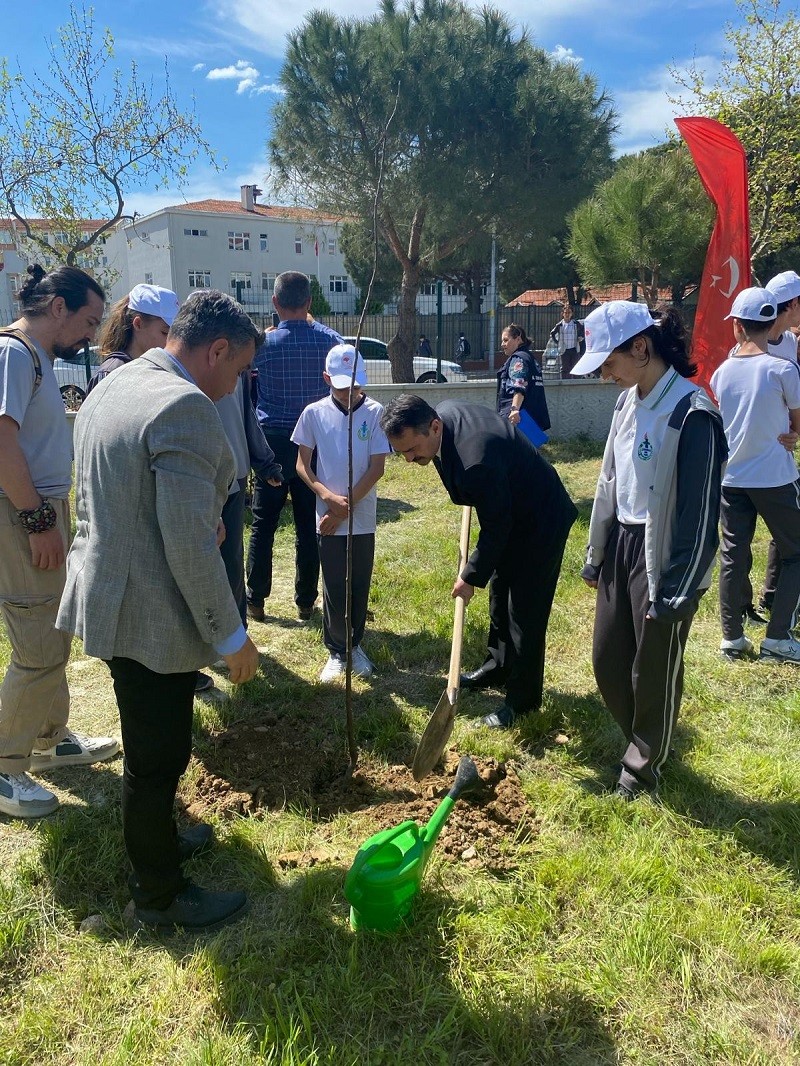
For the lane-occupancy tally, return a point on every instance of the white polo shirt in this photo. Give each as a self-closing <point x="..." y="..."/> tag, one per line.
<point x="323" y="425"/>
<point x="641" y="428"/>
<point x="785" y="347"/>
<point x="755" y="394"/>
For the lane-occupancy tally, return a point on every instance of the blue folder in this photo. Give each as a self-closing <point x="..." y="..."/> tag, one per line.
<point x="530" y="427"/>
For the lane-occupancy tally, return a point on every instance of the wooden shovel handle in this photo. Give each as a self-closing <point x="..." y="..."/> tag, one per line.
<point x="454" y="675"/>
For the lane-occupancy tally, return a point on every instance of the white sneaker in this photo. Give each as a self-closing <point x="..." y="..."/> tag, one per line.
<point x="362" y="667"/>
<point x="786" y="651"/>
<point x="22" y="797"/>
<point x="741" y="648"/>
<point x="75" y="750"/>
<point x="333" y="668"/>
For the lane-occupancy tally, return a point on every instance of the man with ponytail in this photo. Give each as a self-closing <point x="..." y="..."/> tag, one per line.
<point x="60" y="313"/>
<point x="653" y="531"/>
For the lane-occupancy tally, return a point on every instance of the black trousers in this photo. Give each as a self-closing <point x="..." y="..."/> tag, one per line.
<point x="155" y="713"/>
<point x="521" y="593"/>
<point x="232" y="548"/>
<point x="638" y="662"/>
<point x="569" y="358"/>
<point x="268" y="502"/>
<point x="780" y="509"/>
<point x="333" y="558"/>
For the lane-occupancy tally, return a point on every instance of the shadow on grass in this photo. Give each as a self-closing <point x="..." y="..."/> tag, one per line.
<point x="390" y="510"/>
<point x="295" y="976"/>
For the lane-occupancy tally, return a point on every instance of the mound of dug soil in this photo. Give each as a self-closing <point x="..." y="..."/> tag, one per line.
<point x="268" y="764"/>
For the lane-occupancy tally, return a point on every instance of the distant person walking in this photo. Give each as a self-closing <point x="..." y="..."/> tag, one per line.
<point x="290" y="365"/>
<point x="569" y="336"/>
<point x="463" y="349"/>
<point x="424" y="349"/>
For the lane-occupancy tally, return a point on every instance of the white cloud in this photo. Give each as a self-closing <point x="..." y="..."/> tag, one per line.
<point x="562" y="54"/>
<point x="242" y="69"/>
<point x="646" y="113"/>
<point x="198" y="66"/>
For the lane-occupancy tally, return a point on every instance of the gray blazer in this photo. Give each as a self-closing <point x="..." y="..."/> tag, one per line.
<point x="145" y="579"/>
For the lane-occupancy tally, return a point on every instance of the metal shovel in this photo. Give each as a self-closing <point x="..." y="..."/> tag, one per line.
<point x="440" y="726"/>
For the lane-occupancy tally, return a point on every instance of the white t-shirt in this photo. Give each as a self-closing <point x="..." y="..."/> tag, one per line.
<point x="755" y="394"/>
<point x="785" y="347"/>
<point x="44" y="434"/>
<point x="641" y="428"/>
<point x="323" y="425"/>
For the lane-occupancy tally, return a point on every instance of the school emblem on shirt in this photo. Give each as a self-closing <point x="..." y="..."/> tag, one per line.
<point x="645" y="449"/>
<point x="363" y="431"/>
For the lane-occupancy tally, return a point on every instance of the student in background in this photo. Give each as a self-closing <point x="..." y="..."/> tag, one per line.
<point x="138" y="322"/>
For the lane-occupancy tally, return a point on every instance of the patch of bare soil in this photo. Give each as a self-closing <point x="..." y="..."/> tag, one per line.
<point x="274" y="762"/>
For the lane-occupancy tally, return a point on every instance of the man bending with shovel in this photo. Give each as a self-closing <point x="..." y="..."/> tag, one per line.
<point x="525" y="516"/>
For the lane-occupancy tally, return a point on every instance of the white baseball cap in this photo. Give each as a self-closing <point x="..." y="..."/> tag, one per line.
<point x="153" y="300"/>
<point x="784" y="286"/>
<point x="339" y="365"/>
<point x="755" y="305"/>
<point x="609" y="326"/>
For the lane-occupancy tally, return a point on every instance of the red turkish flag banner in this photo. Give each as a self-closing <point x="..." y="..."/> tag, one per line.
<point x="722" y="166"/>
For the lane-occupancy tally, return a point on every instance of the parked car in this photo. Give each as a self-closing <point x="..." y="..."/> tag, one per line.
<point x="71" y="377"/>
<point x="375" y="354"/>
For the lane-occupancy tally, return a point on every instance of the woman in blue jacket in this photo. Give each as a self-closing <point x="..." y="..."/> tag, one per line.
<point x="520" y="385"/>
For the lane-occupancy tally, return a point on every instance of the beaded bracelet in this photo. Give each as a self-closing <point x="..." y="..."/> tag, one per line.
<point x="38" y="519"/>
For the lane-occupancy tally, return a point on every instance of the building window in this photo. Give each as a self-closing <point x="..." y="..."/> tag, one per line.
<point x="199" y="279"/>
<point x="268" y="282"/>
<point x="238" y="242"/>
<point x="429" y="289"/>
<point x="331" y="246"/>
<point x="298" y="245"/>
<point x="195" y="232"/>
<point x="241" y="282"/>
<point x="263" y="242"/>
<point x="148" y="277"/>
<point x="13" y="280"/>
<point x="338" y="283"/>
<point x="62" y="238"/>
<point x="453" y="290"/>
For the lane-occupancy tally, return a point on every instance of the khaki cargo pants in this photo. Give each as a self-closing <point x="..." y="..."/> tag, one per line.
<point x="34" y="697"/>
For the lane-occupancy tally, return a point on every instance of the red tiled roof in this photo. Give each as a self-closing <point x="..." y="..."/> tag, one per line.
<point x="591" y="294"/>
<point x="234" y="207"/>
<point x="47" y="224"/>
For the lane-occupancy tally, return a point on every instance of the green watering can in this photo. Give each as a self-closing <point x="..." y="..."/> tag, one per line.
<point x="387" y="871"/>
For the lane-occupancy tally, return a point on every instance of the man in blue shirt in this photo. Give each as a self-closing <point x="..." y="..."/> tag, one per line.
<point x="290" y="365"/>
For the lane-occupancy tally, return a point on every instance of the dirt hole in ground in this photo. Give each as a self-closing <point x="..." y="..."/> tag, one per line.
<point x="275" y="762"/>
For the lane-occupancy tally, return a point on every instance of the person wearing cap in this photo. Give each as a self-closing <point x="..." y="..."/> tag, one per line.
<point x="782" y="343"/>
<point x="759" y="398"/>
<point x="323" y="427"/>
<point x="653" y="530"/>
<point x="525" y="515"/>
<point x="138" y="322"/>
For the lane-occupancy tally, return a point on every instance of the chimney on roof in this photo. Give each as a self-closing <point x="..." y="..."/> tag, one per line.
<point x="250" y="194"/>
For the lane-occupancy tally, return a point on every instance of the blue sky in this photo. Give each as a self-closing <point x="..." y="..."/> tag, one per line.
<point x="228" y="53"/>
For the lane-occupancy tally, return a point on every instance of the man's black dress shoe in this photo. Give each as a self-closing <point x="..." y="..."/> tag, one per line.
<point x="193" y="908"/>
<point x="482" y="678"/>
<point x="503" y="718"/>
<point x="194" y="840"/>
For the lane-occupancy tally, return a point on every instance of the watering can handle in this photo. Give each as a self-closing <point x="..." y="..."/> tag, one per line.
<point x="460" y="606"/>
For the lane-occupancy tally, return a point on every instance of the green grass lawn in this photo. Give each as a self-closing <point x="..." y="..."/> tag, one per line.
<point x="636" y="934"/>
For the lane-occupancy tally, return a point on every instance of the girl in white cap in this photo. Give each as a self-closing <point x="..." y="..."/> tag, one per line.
<point x="653" y="530"/>
<point x="138" y="322"/>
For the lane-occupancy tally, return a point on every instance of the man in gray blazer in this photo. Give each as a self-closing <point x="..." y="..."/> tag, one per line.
<point x="146" y="585"/>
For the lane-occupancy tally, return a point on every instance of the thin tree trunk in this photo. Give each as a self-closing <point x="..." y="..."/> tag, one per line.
<point x="401" y="346"/>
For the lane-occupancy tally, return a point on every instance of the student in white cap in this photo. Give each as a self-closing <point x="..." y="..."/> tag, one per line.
<point x="653" y="530"/>
<point x="138" y="322"/>
<point x="782" y="343"/>
<point x="323" y="426"/>
<point x="759" y="398"/>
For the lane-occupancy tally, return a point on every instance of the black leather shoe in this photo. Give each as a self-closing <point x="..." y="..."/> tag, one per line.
<point x="629" y="793"/>
<point x="305" y="613"/>
<point x="203" y="682"/>
<point x="194" y="840"/>
<point x="194" y="908"/>
<point x="481" y="678"/>
<point x="502" y="719"/>
<point x="255" y="610"/>
<point x="750" y="614"/>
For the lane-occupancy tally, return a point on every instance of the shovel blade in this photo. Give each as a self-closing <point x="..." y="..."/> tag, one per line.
<point x="436" y="735"/>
